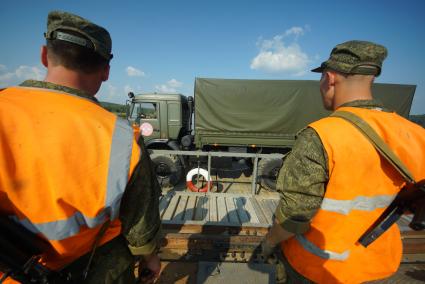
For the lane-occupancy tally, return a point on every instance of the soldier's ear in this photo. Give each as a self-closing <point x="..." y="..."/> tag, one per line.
<point x="43" y="56"/>
<point x="331" y="78"/>
<point x="105" y="73"/>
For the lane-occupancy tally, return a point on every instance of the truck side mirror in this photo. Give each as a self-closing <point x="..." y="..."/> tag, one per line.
<point x="127" y="109"/>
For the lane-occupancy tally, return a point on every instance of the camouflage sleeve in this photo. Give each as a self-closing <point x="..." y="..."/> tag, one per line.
<point x="139" y="211"/>
<point x="301" y="182"/>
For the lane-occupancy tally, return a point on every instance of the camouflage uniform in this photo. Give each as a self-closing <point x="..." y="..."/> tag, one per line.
<point x="139" y="215"/>
<point x="303" y="177"/>
<point x="304" y="174"/>
<point x="302" y="182"/>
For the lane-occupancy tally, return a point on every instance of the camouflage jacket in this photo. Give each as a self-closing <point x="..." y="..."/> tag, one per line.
<point x="139" y="212"/>
<point x="303" y="177"/>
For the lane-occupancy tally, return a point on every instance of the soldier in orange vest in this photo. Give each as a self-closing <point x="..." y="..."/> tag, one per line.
<point x="72" y="172"/>
<point x="335" y="184"/>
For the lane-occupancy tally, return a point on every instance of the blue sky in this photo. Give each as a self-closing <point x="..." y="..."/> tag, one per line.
<point x="163" y="45"/>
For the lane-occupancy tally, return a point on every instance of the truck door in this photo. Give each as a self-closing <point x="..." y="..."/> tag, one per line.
<point x="147" y="115"/>
<point x="174" y="119"/>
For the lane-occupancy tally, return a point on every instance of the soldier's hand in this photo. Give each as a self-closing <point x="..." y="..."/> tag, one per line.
<point x="153" y="263"/>
<point x="150" y="268"/>
<point x="266" y="249"/>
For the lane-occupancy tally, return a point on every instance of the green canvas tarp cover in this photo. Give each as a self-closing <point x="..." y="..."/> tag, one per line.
<point x="270" y="112"/>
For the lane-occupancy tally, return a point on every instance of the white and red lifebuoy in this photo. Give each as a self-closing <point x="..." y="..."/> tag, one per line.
<point x="198" y="171"/>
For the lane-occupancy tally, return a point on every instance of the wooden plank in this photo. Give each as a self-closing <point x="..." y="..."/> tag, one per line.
<point x="179" y="214"/>
<point x="169" y="212"/>
<point x="240" y="207"/>
<point x="267" y="211"/>
<point x="200" y="210"/>
<point x="414" y="246"/>
<point x="275" y="203"/>
<point x="213" y="209"/>
<point x="259" y="213"/>
<point x="251" y="211"/>
<point x="231" y="210"/>
<point x="163" y="203"/>
<point x="191" y="227"/>
<point x="189" y="213"/>
<point x="205" y="209"/>
<point x="221" y="209"/>
<point x="272" y="205"/>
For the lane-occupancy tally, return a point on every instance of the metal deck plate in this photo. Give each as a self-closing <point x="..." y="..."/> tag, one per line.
<point x="227" y="272"/>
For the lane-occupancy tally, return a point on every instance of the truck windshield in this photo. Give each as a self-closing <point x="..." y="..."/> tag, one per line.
<point x="144" y="111"/>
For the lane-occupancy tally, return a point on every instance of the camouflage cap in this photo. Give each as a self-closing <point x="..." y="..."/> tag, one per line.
<point x="92" y="36"/>
<point x="355" y="57"/>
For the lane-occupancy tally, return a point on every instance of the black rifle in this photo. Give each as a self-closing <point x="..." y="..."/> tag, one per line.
<point x="20" y="252"/>
<point x="410" y="199"/>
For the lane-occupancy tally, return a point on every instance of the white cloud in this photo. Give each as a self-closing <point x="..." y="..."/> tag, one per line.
<point x="134" y="72"/>
<point x="174" y="83"/>
<point x="165" y="89"/>
<point x="278" y="56"/>
<point x="110" y="93"/>
<point x="30" y="72"/>
<point x="171" y="86"/>
<point x="6" y="78"/>
<point x="297" y="31"/>
<point x="21" y="73"/>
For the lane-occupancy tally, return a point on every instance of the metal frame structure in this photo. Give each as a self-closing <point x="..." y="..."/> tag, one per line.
<point x="256" y="156"/>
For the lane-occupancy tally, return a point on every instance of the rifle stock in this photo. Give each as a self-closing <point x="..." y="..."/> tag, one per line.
<point x="410" y="198"/>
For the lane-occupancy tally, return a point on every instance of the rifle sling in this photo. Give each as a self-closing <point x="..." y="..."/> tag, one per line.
<point x="377" y="142"/>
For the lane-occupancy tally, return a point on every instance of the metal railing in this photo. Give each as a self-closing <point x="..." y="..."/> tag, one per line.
<point x="256" y="156"/>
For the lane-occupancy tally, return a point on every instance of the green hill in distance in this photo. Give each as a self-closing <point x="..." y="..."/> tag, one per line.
<point x="115" y="108"/>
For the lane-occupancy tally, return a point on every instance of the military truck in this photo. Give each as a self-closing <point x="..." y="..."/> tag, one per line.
<point x="236" y="116"/>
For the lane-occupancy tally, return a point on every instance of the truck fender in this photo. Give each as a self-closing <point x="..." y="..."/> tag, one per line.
<point x="174" y="145"/>
<point x="163" y="142"/>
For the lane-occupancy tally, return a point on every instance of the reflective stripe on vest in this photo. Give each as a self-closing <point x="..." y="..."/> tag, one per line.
<point x="121" y="150"/>
<point x="359" y="203"/>
<point x="344" y="207"/>
<point x="325" y="254"/>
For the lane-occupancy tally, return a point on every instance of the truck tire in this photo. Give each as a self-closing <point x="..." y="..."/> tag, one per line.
<point x="268" y="170"/>
<point x="168" y="169"/>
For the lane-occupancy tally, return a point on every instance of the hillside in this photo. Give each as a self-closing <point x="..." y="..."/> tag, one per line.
<point x="112" y="107"/>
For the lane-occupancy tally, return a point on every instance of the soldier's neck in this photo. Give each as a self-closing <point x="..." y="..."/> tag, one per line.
<point x="352" y="93"/>
<point x="60" y="75"/>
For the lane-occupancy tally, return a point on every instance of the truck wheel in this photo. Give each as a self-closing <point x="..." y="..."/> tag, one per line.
<point x="268" y="170"/>
<point x="168" y="169"/>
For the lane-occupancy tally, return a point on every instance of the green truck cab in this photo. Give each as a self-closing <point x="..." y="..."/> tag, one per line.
<point x="162" y="118"/>
<point x="237" y="116"/>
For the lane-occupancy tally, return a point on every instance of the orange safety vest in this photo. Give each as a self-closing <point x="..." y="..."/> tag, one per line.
<point x="361" y="185"/>
<point x="64" y="164"/>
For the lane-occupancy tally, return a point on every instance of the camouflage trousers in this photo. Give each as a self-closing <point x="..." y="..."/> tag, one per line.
<point x="112" y="263"/>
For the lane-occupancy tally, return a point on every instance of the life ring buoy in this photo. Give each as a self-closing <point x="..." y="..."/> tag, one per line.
<point x="201" y="172"/>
